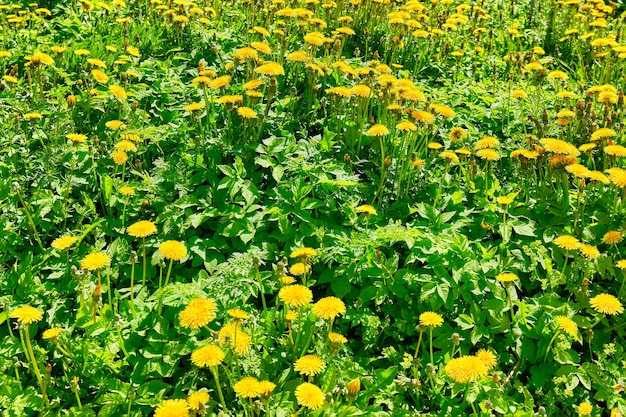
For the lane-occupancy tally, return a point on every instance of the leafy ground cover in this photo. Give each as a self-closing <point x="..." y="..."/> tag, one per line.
<point x="340" y="208"/>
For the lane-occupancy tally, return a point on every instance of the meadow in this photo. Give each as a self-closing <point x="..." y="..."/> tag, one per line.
<point x="312" y="208"/>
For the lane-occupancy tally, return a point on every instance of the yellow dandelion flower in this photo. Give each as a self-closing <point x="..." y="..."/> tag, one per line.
<point x="298" y="56"/>
<point x="612" y="237"/>
<point x="172" y="408"/>
<point x="27" y="315"/>
<point x="246" y="113"/>
<point x="488" y="154"/>
<point x="617" y="176"/>
<point x="198" y="313"/>
<point x="235" y="338"/>
<point x="173" y="250"/>
<point x="585" y="408"/>
<point x="607" y="304"/>
<point x="142" y="228"/>
<point x="296" y="295"/>
<point x="220" y="82"/>
<point x="466" y="369"/>
<point x="507" y="277"/>
<point x="567" y="242"/>
<point x="271" y="69"/>
<point x="248" y="387"/>
<point x="366" y="209"/>
<point x="589" y="251"/>
<point x="266" y="388"/>
<point x="95" y="261"/>
<point x="310" y="365"/>
<point x="194" y="107"/>
<point x="238" y="314"/>
<point x="336" y="338"/>
<point x="127" y="191"/>
<point x="406" y="126"/>
<point x="115" y="125"/>
<point x="519" y="94"/>
<point x="615" y="150"/>
<point x="430" y="319"/>
<point x="603" y="133"/>
<point x="209" y="355"/>
<point x="559" y="147"/>
<point x="558" y="75"/>
<point x="487" y="142"/>
<point x="120" y="157"/>
<point x="457" y="134"/>
<point x="329" y="308"/>
<point x="488" y="358"/>
<point x="354" y="386"/>
<point x="299" y="269"/>
<point x="377" y="130"/>
<point x="567" y="325"/>
<point x="423" y="116"/>
<point x="100" y="76"/>
<point x="51" y="333"/>
<point x="310" y="396"/>
<point x="303" y="253"/>
<point x="63" y="242"/>
<point x="197" y="400"/>
<point x="118" y="91"/>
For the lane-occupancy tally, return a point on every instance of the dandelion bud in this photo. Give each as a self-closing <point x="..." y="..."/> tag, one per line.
<point x="456" y="339"/>
<point x="620" y="99"/>
<point x="354" y="386"/>
<point x="71" y="100"/>
<point x="346" y="158"/>
<point x="135" y="104"/>
<point x="495" y="378"/>
<point x="376" y="55"/>
<point x="337" y="45"/>
<point x="387" y="161"/>
<point x="16" y="186"/>
<point x="201" y="66"/>
<point x="618" y="388"/>
<point x="79" y="82"/>
<point x="416" y="383"/>
<point x="488" y="404"/>
<point x="585" y="282"/>
<point x="48" y="368"/>
<point x="541" y="411"/>
<point x="144" y="202"/>
<point x="97" y="293"/>
<point x="544" y="116"/>
<point x="133" y="257"/>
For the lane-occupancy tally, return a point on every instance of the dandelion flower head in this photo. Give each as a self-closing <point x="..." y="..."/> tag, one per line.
<point x="303" y="253"/>
<point x="63" y="242"/>
<point x="197" y="400"/>
<point x="310" y="396"/>
<point x="27" y="315"/>
<point x="310" y="365"/>
<point x="95" y="261"/>
<point x="488" y="358"/>
<point x="567" y="325"/>
<point x="173" y="250"/>
<point x="172" y="408"/>
<point x="607" y="304"/>
<point x="142" y="228"/>
<point x="248" y="387"/>
<point x="430" y="319"/>
<point x="198" y="313"/>
<point x="466" y="369"/>
<point x="209" y="355"/>
<point x="329" y="308"/>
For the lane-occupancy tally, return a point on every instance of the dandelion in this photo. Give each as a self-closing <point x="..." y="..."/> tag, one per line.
<point x="209" y="355"/>
<point x="127" y="191"/>
<point x="76" y="138"/>
<point x="423" y="116"/>
<point x="567" y="325"/>
<point x="248" y="387"/>
<point x="295" y="296"/>
<point x="309" y="365"/>
<point x="602" y="133"/>
<point x="299" y="269"/>
<point x="235" y="338"/>
<point x="488" y="154"/>
<point x="585" y="408"/>
<point x="173" y="250"/>
<point x="95" y="261"/>
<point x="172" y="408"/>
<point x="466" y="369"/>
<point x="377" y="130"/>
<point x="63" y="242"/>
<point x="246" y="113"/>
<point x="430" y="319"/>
<point x="120" y="157"/>
<point x="487" y="142"/>
<point x="198" y="313"/>
<point x="366" y="209"/>
<point x="303" y="253"/>
<point x="271" y="69"/>
<point x="567" y="242"/>
<point x="118" y="92"/>
<point x="51" y="333"/>
<point x="266" y="388"/>
<point x="606" y="304"/>
<point x="487" y="357"/>
<point x="519" y="94"/>
<point x="194" y="107"/>
<point x="589" y="251"/>
<point x="457" y="134"/>
<point x="506" y="277"/>
<point x="197" y="400"/>
<point x="337" y="339"/>
<point x="125" y="146"/>
<point x="142" y="228"/>
<point x="612" y="237"/>
<point x="329" y="308"/>
<point x="310" y="396"/>
<point x="27" y="315"/>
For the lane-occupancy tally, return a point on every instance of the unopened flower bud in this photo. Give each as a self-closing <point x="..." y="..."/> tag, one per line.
<point x="354" y="386"/>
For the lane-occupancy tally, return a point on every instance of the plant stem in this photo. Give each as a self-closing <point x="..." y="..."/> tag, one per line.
<point x="216" y="375"/>
<point x="30" y="220"/>
<point x="545" y="357"/>
<point x="33" y="360"/>
<point x="431" y="345"/>
<point x="419" y="342"/>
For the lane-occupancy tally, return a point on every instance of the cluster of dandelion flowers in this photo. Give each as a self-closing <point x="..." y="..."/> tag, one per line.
<point x="430" y="319"/>
<point x="173" y="250"/>
<point x="27" y="315"/>
<point x="296" y="295"/>
<point x="329" y="308"/>
<point x="606" y="304"/>
<point x="142" y="228"/>
<point x="310" y="396"/>
<point x="172" y="408"/>
<point x="248" y="387"/>
<point x="310" y="365"/>
<point x="198" y="313"/>
<point x="95" y="261"/>
<point x="209" y="355"/>
<point x="567" y="325"/>
<point x="197" y="400"/>
<point x="466" y="369"/>
<point x="63" y="242"/>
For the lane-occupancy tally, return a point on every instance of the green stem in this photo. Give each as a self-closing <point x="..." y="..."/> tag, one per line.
<point x="143" y="281"/>
<point x="431" y="345"/>
<point x="33" y="361"/>
<point x="216" y="375"/>
<point x="545" y="357"/>
<point x="30" y="220"/>
<point x="169" y="271"/>
<point x="419" y="342"/>
<point x="132" y="286"/>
